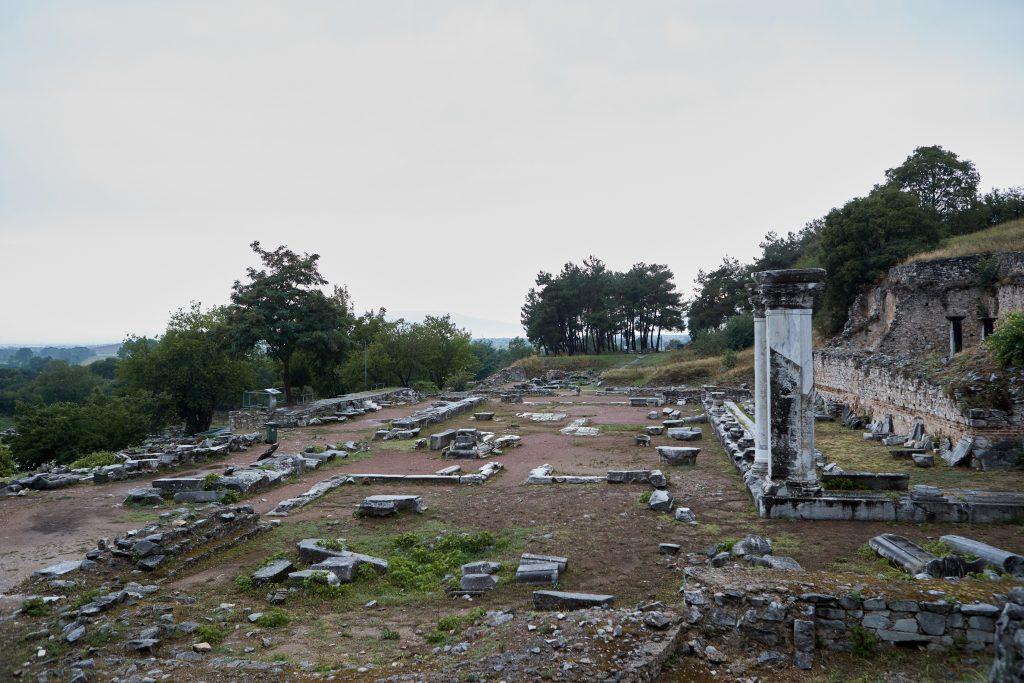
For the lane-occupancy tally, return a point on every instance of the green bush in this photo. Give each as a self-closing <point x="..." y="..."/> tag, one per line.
<point x="330" y="544"/>
<point x="729" y="359"/>
<point x="316" y="585"/>
<point x="7" y="464"/>
<point x="418" y="565"/>
<point x="1007" y="343"/>
<point x="63" y="432"/>
<point x="273" y="618"/>
<point x="211" y="633"/>
<point x="388" y="634"/>
<point x="97" y="459"/>
<point x="425" y="386"/>
<point x="35" y="607"/>
<point x="211" y="481"/>
<point x="645" y="497"/>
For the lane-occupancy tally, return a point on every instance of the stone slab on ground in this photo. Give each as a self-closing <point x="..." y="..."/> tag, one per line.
<point x="384" y="505"/>
<point x="550" y="600"/>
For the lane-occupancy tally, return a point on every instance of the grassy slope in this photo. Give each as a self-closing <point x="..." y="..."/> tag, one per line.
<point x="1008" y="236"/>
<point x="655" y="369"/>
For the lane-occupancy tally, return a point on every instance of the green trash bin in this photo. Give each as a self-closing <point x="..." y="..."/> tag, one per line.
<point x="271" y="432"/>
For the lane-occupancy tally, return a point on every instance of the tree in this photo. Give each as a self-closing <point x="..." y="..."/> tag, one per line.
<point x="282" y="309"/>
<point x="446" y="349"/>
<point x="863" y="239"/>
<point x="190" y="364"/>
<point x="721" y="294"/>
<point x="63" y="432"/>
<point x="939" y="179"/>
<point x="60" y="382"/>
<point x="1004" y="205"/>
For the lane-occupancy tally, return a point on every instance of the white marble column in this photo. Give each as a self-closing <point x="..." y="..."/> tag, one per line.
<point x="788" y="297"/>
<point x="762" y="431"/>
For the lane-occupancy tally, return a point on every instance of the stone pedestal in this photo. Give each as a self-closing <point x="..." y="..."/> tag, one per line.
<point x="762" y="431"/>
<point x="788" y="297"/>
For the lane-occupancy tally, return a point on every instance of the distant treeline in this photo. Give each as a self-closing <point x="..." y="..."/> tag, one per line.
<point x="931" y="195"/>
<point x="590" y="309"/>
<point x="281" y="329"/>
<point x="23" y="357"/>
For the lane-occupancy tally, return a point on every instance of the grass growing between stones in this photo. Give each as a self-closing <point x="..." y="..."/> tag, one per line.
<point x="849" y="449"/>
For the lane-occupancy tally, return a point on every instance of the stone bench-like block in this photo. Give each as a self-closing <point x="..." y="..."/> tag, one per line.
<point x="550" y="600"/>
<point x="678" y="455"/>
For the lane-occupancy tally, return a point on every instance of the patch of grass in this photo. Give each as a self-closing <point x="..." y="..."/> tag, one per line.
<point x="645" y="497"/>
<point x="849" y="449"/>
<point x="104" y="635"/>
<point x="1008" y="236"/>
<point x="85" y="598"/>
<point x="621" y="427"/>
<point x="211" y="633"/>
<point x="97" y="459"/>
<point x="244" y="583"/>
<point x="211" y="482"/>
<point x="388" y="634"/>
<point x="35" y="607"/>
<point x="420" y="565"/>
<point x="864" y="641"/>
<point x="449" y="627"/>
<point x="330" y="544"/>
<point x="316" y="585"/>
<point x="839" y="484"/>
<point x="273" y="618"/>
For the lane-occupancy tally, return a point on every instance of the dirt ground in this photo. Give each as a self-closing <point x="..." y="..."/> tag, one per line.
<point x="610" y="537"/>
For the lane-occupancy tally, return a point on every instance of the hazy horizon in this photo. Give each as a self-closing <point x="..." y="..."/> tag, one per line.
<point x="439" y="155"/>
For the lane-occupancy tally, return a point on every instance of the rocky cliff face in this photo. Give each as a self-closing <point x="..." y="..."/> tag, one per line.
<point x="910" y="310"/>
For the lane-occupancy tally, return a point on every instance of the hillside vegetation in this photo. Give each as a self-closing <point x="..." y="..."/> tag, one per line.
<point x="683" y="366"/>
<point x="1007" y="236"/>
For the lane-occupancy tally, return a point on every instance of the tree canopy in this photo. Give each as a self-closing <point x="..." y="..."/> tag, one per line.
<point x="589" y="308"/>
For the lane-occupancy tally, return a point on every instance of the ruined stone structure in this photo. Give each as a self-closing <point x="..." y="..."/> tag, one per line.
<point x="925" y="313"/>
<point x="786" y="378"/>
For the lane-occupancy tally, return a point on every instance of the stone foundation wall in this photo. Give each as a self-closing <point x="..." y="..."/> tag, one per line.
<point x="871" y="386"/>
<point x="781" y="623"/>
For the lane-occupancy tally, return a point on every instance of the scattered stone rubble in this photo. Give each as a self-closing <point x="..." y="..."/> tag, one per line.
<point x="156" y="453"/>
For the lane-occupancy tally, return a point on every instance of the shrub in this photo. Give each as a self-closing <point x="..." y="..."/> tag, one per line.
<point x="63" y="432"/>
<point x="211" y="633"/>
<point x="729" y="359"/>
<point x="211" y="481"/>
<point x="418" y="565"/>
<point x="244" y="582"/>
<point x="316" y="585"/>
<point x="97" y="459"/>
<point x="864" y="641"/>
<point x="330" y="544"/>
<point x="645" y="497"/>
<point x="453" y="624"/>
<point x="7" y="464"/>
<point x="1007" y="343"/>
<point x="35" y="607"/>
<point x="425" y="386"/>
<point x="839" y="484"/>
<point x="273" y="618"/>
<point x="388" y="634"/>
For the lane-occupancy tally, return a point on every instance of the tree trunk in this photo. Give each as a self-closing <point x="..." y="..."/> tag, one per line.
<point x="286" y="379"/>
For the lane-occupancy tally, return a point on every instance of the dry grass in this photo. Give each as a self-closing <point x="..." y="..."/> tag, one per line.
<point x="1008" y="236"/>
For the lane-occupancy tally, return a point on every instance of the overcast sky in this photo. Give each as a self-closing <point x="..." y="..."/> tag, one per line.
<point x="438" y="155"/>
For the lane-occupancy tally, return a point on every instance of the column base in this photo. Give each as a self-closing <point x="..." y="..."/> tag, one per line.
<point x="789" y="488"/>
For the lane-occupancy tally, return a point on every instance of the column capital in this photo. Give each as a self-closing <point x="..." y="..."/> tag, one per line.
<point x="756" y="300"/>
<point x="791" y="288"/>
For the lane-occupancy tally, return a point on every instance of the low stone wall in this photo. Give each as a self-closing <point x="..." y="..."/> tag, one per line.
<point x="791" y="627"/>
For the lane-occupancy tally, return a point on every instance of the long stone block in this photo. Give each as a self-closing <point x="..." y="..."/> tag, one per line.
<point x="549" y="600"/>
